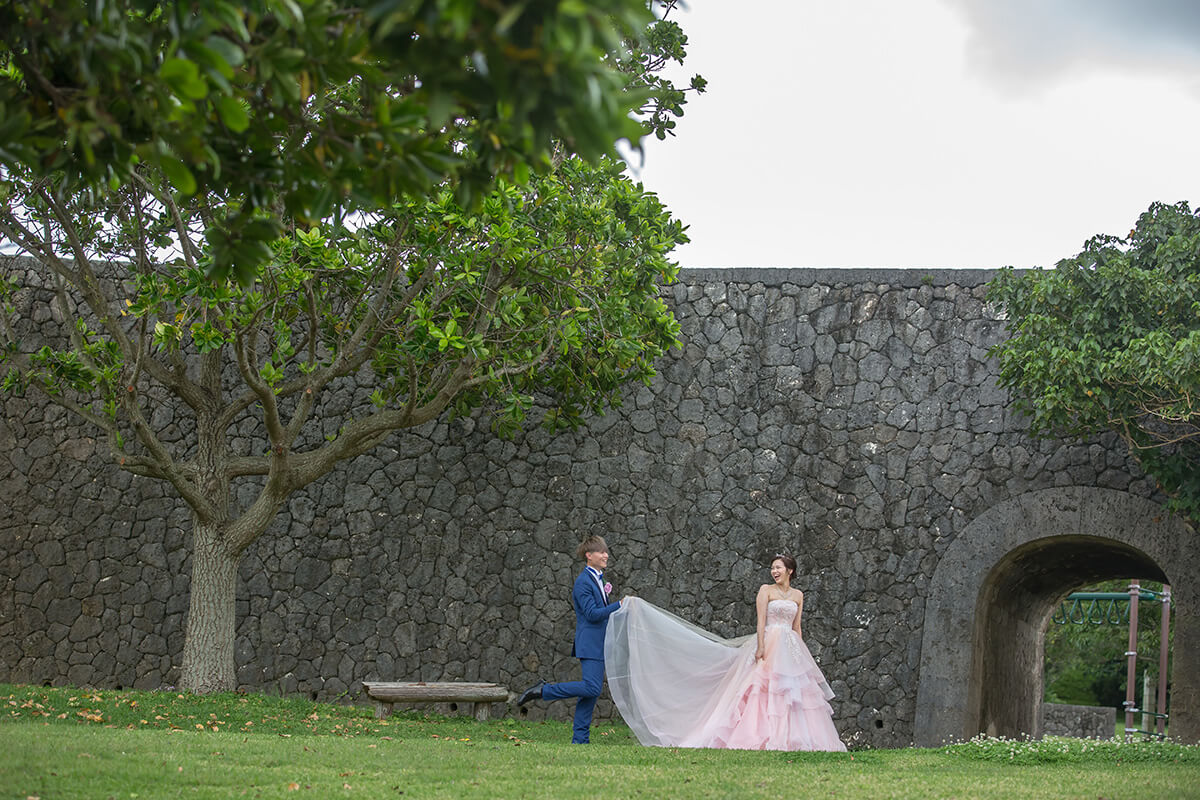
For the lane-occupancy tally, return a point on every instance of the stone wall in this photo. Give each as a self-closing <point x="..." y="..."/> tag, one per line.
<point x="1080" y="722"/>
<point x="850" y="417"/>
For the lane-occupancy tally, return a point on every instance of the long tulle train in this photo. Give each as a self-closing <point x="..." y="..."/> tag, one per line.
<point x="677" y="685"/>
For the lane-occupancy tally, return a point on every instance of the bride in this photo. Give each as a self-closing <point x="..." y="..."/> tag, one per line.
<point x="677" y="685"/>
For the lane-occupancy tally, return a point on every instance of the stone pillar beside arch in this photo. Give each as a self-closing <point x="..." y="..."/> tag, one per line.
<point x="998" y="582"/>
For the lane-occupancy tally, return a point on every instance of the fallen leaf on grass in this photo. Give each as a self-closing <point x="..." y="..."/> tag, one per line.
<point x="292" y="787"/>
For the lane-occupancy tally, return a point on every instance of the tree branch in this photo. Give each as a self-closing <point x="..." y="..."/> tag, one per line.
<point x="245" y="347"/>
<point x="186" y="245"/>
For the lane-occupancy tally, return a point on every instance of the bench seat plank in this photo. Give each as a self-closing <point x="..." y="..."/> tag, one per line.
<point x="479" y="694"/>
<point x="437" y="692"/>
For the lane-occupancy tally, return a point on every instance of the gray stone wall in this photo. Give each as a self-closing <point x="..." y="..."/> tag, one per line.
<point x="1080" y="722"/>
<point x="850" y="417"/>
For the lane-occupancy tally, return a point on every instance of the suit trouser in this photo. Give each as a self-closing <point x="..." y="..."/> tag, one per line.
<point x="587" y="690"/>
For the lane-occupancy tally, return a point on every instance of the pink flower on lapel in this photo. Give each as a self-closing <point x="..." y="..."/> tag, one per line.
<point x="608" y="588"/>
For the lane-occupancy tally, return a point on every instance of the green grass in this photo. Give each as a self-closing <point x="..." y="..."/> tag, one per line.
<point x="70" y="743"/>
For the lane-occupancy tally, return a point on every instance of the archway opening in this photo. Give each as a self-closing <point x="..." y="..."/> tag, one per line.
<point x="1015" y="605"/>
<point x="997" y="582"/>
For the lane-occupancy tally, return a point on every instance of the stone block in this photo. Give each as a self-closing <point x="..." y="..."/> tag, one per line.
<point x="1079" y="722"/>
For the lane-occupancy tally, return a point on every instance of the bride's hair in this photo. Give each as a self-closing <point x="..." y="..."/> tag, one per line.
<point x="592" y="544"/>
<point x="788" y="562"/>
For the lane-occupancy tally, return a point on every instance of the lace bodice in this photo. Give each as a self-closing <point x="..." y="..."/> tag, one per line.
<point x="781" y="612"/>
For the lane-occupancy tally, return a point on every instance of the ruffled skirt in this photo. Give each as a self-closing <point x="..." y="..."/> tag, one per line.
<point x="677" y="685"/>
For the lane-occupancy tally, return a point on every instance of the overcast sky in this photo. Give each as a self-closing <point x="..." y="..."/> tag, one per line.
<point x="928" y="133"/>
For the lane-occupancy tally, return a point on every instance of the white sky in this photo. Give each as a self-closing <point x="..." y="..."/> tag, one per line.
<point x="928" y="133"/>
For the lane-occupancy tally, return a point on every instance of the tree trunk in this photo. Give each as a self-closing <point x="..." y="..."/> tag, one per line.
<point x="208" y="641"/>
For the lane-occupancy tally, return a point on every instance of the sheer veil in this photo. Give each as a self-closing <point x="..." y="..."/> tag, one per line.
<point x="664" y="673"/>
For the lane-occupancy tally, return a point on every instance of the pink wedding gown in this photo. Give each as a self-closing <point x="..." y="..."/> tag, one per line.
<point x="677" y="685"/>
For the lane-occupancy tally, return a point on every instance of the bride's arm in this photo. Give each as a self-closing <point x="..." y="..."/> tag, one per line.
<point x="761" y="604"/>
<point x="799" y="613"/>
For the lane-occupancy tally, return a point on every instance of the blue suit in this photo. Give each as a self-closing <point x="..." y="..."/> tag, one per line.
<point x="592" y="610"/>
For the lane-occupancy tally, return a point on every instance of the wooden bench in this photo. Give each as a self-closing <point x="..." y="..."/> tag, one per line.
<point x="480" y="695"/>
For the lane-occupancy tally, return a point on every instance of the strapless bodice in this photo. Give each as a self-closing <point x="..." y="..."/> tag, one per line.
<point x="781" y="612"/>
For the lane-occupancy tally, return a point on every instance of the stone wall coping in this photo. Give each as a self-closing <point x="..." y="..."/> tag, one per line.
<point x="837" y="276"/>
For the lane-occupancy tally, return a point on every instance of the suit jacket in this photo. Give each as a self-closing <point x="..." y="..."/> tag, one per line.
<point x="591" y="616"/>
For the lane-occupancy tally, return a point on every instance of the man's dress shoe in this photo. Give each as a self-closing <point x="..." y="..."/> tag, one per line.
<point x="532" y="693"/>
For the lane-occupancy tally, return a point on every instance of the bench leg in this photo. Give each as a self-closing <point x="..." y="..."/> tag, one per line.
<point x="382" y="709"/>
<point x="483" y="711"/>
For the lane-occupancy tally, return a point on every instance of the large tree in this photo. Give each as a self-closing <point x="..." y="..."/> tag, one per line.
<point x="546" y="285"/>
<point x="296" y="107"/>
<point x="1109" y="340"/>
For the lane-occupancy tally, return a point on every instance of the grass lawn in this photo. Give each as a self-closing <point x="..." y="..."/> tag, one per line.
<point x="74" y="743"/>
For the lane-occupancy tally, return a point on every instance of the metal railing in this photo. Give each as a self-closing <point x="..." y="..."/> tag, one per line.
<point x="1099" y="608"/>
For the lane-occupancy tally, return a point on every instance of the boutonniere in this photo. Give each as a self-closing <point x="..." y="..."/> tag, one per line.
<point x="608" y="588"/>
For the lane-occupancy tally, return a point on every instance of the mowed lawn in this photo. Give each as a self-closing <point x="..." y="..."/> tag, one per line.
<point x="74" y="743"/>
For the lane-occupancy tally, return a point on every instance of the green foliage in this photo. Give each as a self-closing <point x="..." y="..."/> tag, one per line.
<point x="1061" y="750"/>
<point x="413" y="197"/>
<point x="664" y="42"/>
<point x="550" y="289"/>
<point x="1109" y="340"/>
<point x="293" y="108"/>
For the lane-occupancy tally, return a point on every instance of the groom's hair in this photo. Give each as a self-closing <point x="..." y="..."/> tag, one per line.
<point x="592" y="544"/>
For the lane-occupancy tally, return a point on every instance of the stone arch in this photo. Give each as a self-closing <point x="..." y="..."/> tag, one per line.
<point x="997" y="583"/>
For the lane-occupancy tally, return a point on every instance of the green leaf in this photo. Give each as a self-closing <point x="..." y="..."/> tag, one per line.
<point x="233" y="113"/>
<point x="229" y="51"/>
<point x="184" y="78"/>
<point x="178" y="174"/>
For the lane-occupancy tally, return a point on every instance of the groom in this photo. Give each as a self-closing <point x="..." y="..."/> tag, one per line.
<point x="592" y="608"/>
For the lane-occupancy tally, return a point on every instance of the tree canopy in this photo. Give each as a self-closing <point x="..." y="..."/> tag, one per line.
<point x="1109" y="340"/>
<point x="299" y="107"/>
<point x="520" y="264"/>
